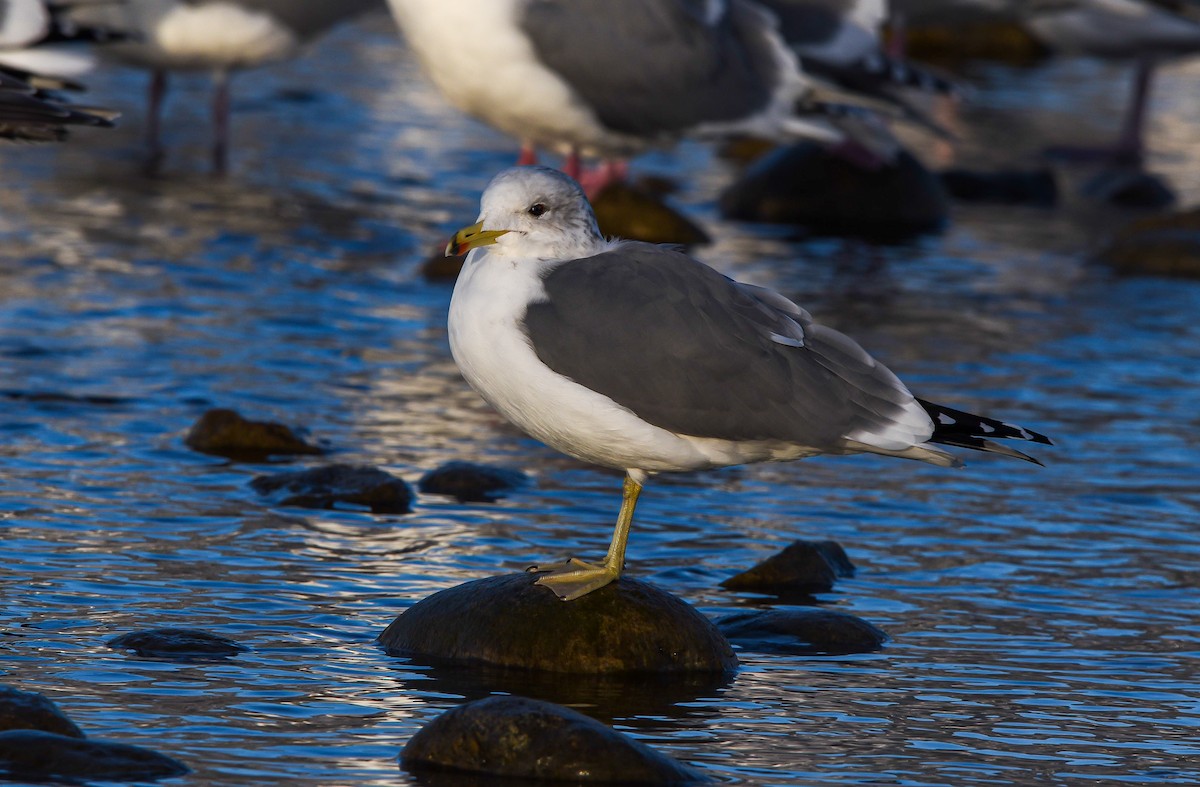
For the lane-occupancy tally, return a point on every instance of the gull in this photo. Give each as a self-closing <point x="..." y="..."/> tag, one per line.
<point x="217" y="36"/>
<point x="1142" y="30"/>
<point x="611" y="79"/>
<point x="639" y="358"/>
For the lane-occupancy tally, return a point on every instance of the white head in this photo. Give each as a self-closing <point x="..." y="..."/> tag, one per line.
<point x="533" y="212"/>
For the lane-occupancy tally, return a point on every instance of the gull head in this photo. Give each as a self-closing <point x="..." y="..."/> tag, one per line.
<point x="532" y="212"/>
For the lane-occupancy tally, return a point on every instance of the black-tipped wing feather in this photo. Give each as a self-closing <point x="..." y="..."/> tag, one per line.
<point x="977" y="432"/>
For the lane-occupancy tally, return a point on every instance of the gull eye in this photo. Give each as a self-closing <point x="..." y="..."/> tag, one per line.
<point x="537" y="209"/>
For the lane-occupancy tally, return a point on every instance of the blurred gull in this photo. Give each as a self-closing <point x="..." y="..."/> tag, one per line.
<point x="218" y="36"/>
<point x="637" y="357"/>
<point x="611" y="78"/>
<point x="36" y="60"/>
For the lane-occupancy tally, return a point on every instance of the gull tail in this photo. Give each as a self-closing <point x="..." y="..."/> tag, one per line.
<point x="966" y="430"/>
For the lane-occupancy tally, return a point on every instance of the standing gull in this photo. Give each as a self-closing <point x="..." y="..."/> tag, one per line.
<point x="637" y="357"/>
<point x="217" y="36"/>
<point x="611" y="78"/>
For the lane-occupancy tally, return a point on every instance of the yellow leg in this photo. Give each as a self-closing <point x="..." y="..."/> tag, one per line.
<point x="574" y="578"/>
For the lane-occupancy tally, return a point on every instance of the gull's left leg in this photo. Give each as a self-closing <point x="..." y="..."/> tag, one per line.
<point x="574" y="578"/>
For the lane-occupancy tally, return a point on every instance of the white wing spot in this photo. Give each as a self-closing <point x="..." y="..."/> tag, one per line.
<point x="786" y="340"/>
<point x="987" y="429"/>
<point x="945" y="419"/>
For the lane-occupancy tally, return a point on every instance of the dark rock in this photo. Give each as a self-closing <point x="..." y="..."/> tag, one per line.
<point x="744" y="150"/>
<point x="439" y="267"/>
<point x="1129" y="187"/>
<point x="34" y="755"/>
<point x="828" y="194"/>
<point x="1034" y="187"/>
<point x="628" y="626"/>
<point x="226" y="433"/>
<point x="959" y="40"/>
<point x="333" y="485"/>
<point x="177" y="644"/>
<point x="28" y="710"/>
<point x="625" y="210"/>
<point x="528" y="739"/>
<point x="801" y="568"/>
<point x="1164" y="245"/>
<point x="468" y="482"/>
<point x="802" y="632"/>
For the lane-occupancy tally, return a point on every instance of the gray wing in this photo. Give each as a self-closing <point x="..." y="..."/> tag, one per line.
<point x="808" y="22"/>
<point x="650" y="67"/>
<point x="310" y="18"/>
<point x="694" y="352"/>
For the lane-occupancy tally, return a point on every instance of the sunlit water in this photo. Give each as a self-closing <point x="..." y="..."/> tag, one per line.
<point x="1045" y="621"/>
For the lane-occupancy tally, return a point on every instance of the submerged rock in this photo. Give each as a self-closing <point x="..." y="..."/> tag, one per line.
<point x="28" y="710"/>
<point x="634" y="212"/>
<point x="628" y="626"/>
<point x="1129" y="187"/>
<point x="177" y="644"/>
<point x="34" y="755"/>
<point x="226" y="433"/>
<point x="334" y="485"/>
<point x="1164" y="245"/>
<point x="528" y="739"/>
<point x="828" y="194"/>
<point x="1036" y="187"/>
<point x="469" y="482"/>
<point x="802" y="632"/>
<point x="803" y="567"/>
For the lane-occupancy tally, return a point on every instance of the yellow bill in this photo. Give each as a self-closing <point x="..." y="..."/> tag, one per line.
<point x="471" y="238"/>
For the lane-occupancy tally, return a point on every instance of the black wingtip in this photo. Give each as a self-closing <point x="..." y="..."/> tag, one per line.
<point x="979" y="433"/>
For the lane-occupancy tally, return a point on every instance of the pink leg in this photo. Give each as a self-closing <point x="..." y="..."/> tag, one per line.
<point x="1129" y="147"/>
<point x="154" y="102"/>
<point x="528" y="155"/>
<point x="220" y="110"/>
<point x="596" y="179"/>
<point x="572" y="165"/>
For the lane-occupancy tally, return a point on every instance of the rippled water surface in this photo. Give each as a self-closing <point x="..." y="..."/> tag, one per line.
<point x="1045" y="623"/>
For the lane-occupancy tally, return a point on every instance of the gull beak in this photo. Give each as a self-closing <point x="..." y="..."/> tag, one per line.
<point x="472" y="238"/>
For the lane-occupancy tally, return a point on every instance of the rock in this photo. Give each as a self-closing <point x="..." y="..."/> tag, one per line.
<point x="528" y="739"/>
<point x="177" y="644"/>
<point x="28" y="710"/>
<point x="806" y="184"/>
<point x="468" y="482"/>
<point x="35" y="755"/>
<point x="439" y="267"/>
<point x="338" y="485"/>
<point x="803" y="567"/>
<point x="226" y="433"/>
<point x="1033" y="187"/>
<point x="1002" y="40"/>
<point x="625" y="210"/>
<point x="1164" y="245"/>
<point x="628" y="626"/>
<point x="1128" y="187"/>
<point x="802" y="632"/>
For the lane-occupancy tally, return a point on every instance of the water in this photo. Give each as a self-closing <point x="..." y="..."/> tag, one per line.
<point x="1045" y="621"/>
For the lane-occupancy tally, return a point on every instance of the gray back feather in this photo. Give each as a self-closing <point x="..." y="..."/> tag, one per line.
<point x="691" y="351"/>
<point x="651" y="67"/>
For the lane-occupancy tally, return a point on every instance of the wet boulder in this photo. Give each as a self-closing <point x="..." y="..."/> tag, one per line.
<point x="335" y="486"/>
<point x="636" y="212"/>
<point x="628" y="626"/>
<point x="1036" y="188"/>
<point x="802" y="632"/>
<point x="35" y="755"/>
<point x="177" y="644"/>
<point x="803" y="567"/>
<point x="28" y="710"/>
<point x="469" y="482"/>
<point x="828" y="194"/>
<point x="1163" y="245"/>
<point x="226" y="433"/>
<point x="524" y="739"/>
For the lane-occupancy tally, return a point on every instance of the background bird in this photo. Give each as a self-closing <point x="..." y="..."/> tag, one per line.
<point x="217" y="36"/>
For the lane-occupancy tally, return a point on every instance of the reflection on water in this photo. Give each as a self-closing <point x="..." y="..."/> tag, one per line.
<point x="1044" y="621"/>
